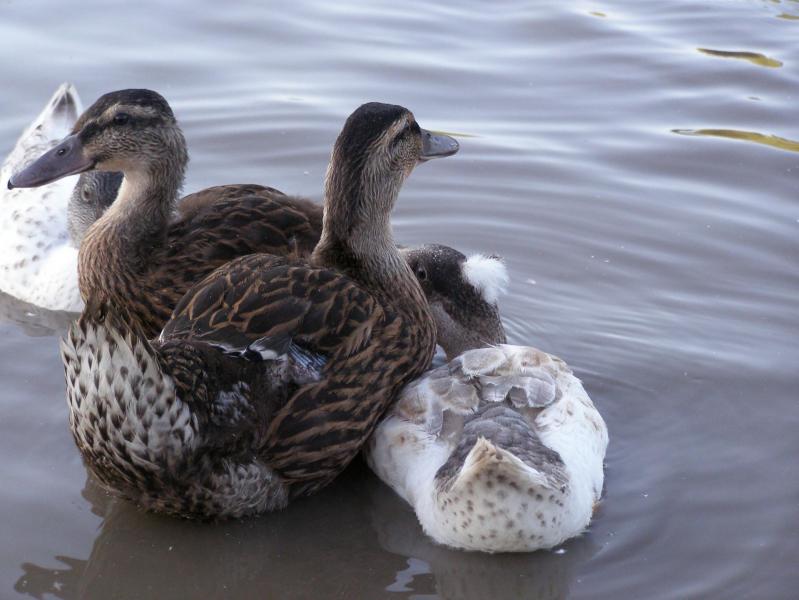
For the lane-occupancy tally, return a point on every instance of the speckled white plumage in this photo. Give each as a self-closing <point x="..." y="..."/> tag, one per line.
<point x="38" y="263"/>
<point x="518" y="469"/>
<point x="126" y="414"/>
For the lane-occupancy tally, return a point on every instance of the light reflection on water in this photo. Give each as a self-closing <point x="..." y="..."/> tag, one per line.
<point x="747" y="136"/>
<point x="662" y="267"/>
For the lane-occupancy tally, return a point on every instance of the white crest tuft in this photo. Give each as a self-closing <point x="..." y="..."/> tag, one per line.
<point x="488" y="274"/>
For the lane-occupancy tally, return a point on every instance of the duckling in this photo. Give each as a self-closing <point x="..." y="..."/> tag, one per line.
<point x="137" y="255"/>
<point x="272" y="372"/>
<point x="38" y="249"/>
<point x="501" y="449"/>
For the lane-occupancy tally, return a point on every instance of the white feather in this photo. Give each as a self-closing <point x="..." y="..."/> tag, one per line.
<point x="488" y="275"/>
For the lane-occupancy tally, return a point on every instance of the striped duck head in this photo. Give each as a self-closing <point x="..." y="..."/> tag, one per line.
<point x="377" y="149"/>
<point x="133" y="131"/>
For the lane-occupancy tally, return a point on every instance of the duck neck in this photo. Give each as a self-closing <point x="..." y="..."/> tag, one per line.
<point x="357" y="238"/>
<point x="144" y="205"/>
<point x="118" y="245"/>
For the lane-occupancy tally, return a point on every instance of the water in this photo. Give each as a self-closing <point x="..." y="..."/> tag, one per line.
<point x="644" y="193"/>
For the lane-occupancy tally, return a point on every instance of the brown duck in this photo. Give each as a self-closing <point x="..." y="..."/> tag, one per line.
<point x="273" y="372"/>
<point x="142" y="254"/>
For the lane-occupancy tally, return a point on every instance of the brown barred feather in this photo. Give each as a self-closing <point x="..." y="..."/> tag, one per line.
<point x="213" y="227"/>
<point x="373" y="345"/>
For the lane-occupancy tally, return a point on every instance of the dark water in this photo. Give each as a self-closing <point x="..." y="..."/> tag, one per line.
<point x="635" y="162"/>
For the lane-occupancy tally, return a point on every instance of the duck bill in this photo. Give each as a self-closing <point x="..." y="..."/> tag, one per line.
<point x="67" y="158"/>
<point x="437" y="145"/>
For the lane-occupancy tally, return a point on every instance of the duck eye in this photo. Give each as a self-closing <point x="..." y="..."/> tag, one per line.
<point x="421" y="273"/>
<point x="121" y="118"/>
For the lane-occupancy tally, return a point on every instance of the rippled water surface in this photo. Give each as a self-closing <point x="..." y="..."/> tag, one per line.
<point x="637" y="165"/>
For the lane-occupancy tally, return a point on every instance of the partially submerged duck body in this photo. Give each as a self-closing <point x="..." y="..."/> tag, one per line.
<point x="273" y="372"/>
<point x="501" y="449"/>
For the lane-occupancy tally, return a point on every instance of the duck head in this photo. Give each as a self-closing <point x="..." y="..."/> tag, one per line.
<point x="132" y="131"/>
<point x="462" y="293"/>
<point x="375" y="152"/>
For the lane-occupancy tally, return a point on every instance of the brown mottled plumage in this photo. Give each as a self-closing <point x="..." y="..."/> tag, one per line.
<point x="273" y="372"/>
<point x="213" y="227"/>
<point x="146" y="250"/>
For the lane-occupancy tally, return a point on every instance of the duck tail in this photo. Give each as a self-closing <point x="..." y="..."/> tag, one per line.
<point x="490" y="464"/>
<point x="499" y="448"/>
<point x="60" y="112"/>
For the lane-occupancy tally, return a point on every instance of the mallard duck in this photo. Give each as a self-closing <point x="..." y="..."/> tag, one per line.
<point x="501" y="449"/>
<point x="42" y="227"/>
<point x="272" y="372"/>
<point x="137" y="255"/>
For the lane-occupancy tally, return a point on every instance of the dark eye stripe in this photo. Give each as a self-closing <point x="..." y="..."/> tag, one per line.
<point x="89" y="131"/>
<point x="93" y="128"/>
<point x="404" y="133"/>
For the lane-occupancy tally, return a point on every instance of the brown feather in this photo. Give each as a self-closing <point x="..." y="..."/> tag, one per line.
<point x="374" y="345"/>
<point x="214" y="226"/>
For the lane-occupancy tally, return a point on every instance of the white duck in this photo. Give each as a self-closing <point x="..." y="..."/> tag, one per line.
<point x="42" y="227"/>
<point x="501" y="449"/>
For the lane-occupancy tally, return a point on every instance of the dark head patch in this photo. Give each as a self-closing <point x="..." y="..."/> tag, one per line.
<point x="438" y="269"/>
<point x="366" y="124"/>
<point x="153" y="102"/>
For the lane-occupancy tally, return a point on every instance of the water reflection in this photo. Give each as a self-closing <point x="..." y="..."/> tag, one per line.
<point x="746" y="136"/>
<point x="33" y="320"/>
<point x="324" y="541"/>
<point x="753" y="57"/>
<point x="433" y="569"/>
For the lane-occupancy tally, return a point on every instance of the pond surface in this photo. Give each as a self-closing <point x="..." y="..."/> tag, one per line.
<point x="637" y="165"/>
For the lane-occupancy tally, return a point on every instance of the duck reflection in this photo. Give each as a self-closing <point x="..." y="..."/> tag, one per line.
<point x="452" y="574"/>
<point x="357" y="539"/>
<point x="33" y="320"/>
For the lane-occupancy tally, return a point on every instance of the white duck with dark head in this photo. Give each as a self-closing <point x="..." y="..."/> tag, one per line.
<point x="501" y="449"/>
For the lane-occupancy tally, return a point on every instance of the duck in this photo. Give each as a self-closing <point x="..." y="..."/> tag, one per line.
<point x="273" y="371"/>
<point x="462" y="293"/>
<point x="500" y="449"/>
<point x="42" y="227"/>
<point x="147" y="249"/>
